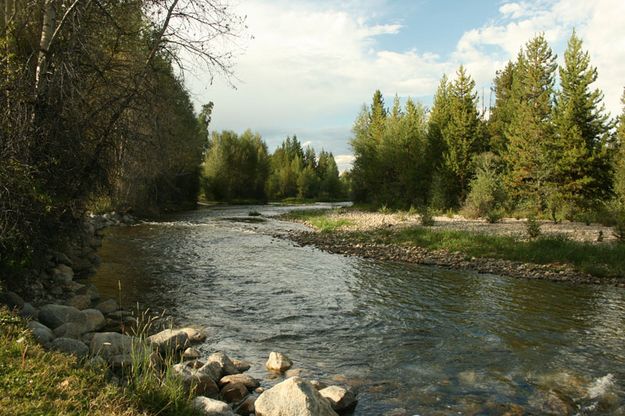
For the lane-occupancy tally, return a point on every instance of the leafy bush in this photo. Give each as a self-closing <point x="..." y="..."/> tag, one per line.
<point x="532" y="226"/>
<point x="487" y="194"/>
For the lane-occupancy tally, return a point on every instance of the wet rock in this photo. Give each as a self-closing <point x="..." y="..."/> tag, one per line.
<point x="62" y="259"/>
<point x="234" y="392"/>
<point x="278" y="362"/>
<point x="340" y="398"/>
<point x="196" y="381"/>
<point x="28" y="311"/>
<point x="80" y="302"/>
<point x="11" y="300"/>
<point x="195" y="336"/>
<point x="247" y="407"/>
<point x="54" y="316"/>
<point x="227" y="366"/>
<point x="108" y="306"/>
<point x="169" y="340"/>
<point x="92" y="292"/>
<point x="550" y="403"/>
<point x="42" y="333"/>
<point x="241" y="365"/>
<point x="259" y="390"/>
<point x="93" y="319"/>
<point x="70" y="346"/>
<point x="211" y="407"/>
<point x="293" y="372"/>
<point x="318" y="384"/>
<point x="293" y="396"/>
<point x="213" y="369"/>
<point x="248" y="381"/>
<point x="396" y="412"/>
<point x="191" y="354"/>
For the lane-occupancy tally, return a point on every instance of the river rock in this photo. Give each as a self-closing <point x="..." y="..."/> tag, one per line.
<point x="54" y="316"/>
<point x="70" y="346"/>
<point x="196" y="381"/>
<point x="73" y="330"/>
<point x="28" y="311"/>
<point x="11" y="300"/>
<point x="227" y="366"/>
<point x="42" y="333"/>
<point x="550" y="404"/>
<point x="278" y="362"/>
<point x="340" y="398"/>
<point x="108" y="306"/>
<point x="248" y="381"/>
<point x="318" y="384"/>
<point x="292" y="397"/>
<point x="213" y="369"/>
<point x="63" y="274"/>
<point x="92" y="292"/>
<point x="247" y="407"/>
<point x="169" y="340"/>
<point x="79" y="302"/>
<point x="94" y="320"/>
<point x="234" y="392"/>
<point x="241" y="365"/>
<point x="211" y="407"/>
<point x="195" y="336"/>
<point x="191" y="354"/>
<point x="110" y="344"/>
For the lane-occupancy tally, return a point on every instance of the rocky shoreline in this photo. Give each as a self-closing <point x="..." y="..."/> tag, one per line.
<point x="67" y="315"/>
<point x="346" y="243"/>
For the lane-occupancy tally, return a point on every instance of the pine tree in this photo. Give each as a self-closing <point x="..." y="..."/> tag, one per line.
<point x="502" y="112"/>
<point x="578" y="155"/>
<point x="530" y="132"/>
<point x="619" y="168"/>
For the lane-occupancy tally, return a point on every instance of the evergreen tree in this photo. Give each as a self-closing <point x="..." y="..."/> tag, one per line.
<point x="502" y="112"/>
<point x="619" y="168"/>
<point x="530" y="132"/>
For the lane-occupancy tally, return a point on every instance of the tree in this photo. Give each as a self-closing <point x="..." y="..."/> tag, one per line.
<point x="619" y="168"/>
<point x="502" y="112"/>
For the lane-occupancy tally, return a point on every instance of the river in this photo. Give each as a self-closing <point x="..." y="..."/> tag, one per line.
<point x="422" y="339"/>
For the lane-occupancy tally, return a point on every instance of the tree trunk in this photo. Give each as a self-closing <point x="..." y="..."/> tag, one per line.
<point x="47" y="30"/>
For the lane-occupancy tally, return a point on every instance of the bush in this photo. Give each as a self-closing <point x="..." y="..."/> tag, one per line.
<point x="487" y="194"/>
<point x="426" y="218"/>
<point x="532" y="227"/>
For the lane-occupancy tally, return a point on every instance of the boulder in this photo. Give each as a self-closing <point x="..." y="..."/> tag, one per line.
<point x="196" y="381"/>
<point x="318" y="384"/>
<point x="108" y="306"/>
<point x="169" y="340"/>
<point x="191" y="354"/>
<point x="73" y="330"/>
<point x="28" y="311"/>
<point x="278" y="362"/>
<point x="241" y="365"/>
<point x="54" y="316"/>
<point x="210" y="407"/>
<point x="70" y="346"/>
<point x="93" y="319"/>
<point x="293" y="396"/>
<point x="234" y="392"/>
<point x="42" y="333"/>
<point x="247" y="407"/>
<point x="92" y="292"/>
<point x="110" y="344"/>
<point x="227" y="366"/>
<point x="79" y="302"/>
<point x="341" y="399"/>
<point x="249" y="382"/>
<point x="63" y="274"/>
<point x="195" y="335"/>
<point x="11" y="300"/>
<point x="213" y="369"/>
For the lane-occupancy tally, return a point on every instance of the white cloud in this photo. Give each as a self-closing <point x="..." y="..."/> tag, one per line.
<point x="344" y="162"/>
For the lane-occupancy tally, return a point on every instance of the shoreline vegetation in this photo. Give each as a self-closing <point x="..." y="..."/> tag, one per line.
<point x="562" y="252"/>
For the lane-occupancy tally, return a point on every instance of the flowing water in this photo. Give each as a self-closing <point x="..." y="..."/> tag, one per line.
<point x="410" y="337"/>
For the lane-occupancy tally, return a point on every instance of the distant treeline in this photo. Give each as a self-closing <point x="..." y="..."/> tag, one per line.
<point x="541" y="149"/>
<point x="239" y="168"/>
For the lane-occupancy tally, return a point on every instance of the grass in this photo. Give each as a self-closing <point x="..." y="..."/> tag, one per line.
<point x="38" y="382"/>
<point x="319" y="219"/>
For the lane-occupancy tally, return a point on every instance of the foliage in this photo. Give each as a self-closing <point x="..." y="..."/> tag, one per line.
<point x="487" y="194"/>
<point x="426" y="218"/>
<point x="532" y="227"/>
<point x="322" y="220"/>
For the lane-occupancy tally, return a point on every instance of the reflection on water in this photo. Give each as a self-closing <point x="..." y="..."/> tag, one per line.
<point x="426" y="340"/>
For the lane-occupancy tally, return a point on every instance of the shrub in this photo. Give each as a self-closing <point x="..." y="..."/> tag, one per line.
<point x="426" y="218"/>
<point x="487" y="194"/>
<point x="532" y="227"/>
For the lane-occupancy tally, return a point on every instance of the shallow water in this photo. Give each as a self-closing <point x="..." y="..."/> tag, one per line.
<point x="427" y="340"/>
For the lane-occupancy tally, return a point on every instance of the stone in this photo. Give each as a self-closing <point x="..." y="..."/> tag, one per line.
<point x="278" y="362"/>
<point x="108" y="306"/>
<point x="227" y="366"/>
<point x="196" y="381"/>
<point x="42" y="333"/>
<point x="341" y="399"/>
<point x="211" y="407"/>
<point x="53" y="315"/>
<point x="12" y="300"/>
<point x="195" y="335"/>
<point x="191" y="354"/>
<point x="293" y="372"/>
<point x="241" y="365"/>
<point x="80" y="302"/>
<point x="93" y="318"/>
<point x="109" y="344"/>
<point x="248" y="381"/>
<point x="318" y="384"/>
<point x="75" y="287"/>
<point x="63" y="274"/>
<point x="213" y="369"/>
<point x="28" y="311"/>
<point x="247" y="407"/>
<point x="119" y="315"/>
<point x="234" y="392"/>
<point x="92" y="292"/>
<point x="259" y="390"/>
<point x="293" y="396"/>
<point x="73" y="330"/>
<point x="62" y="258"/>
<point x="169" y="340"/>
<point x="70" y="346"/>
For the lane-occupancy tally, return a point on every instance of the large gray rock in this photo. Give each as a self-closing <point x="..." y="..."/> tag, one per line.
<point x="62" y="274"/>
<point x="196" y="381"/>
<point x="169" y="340"/>
<point x="241" y="365"/>
<point x="73" y="330"/>
<point x="70" y="346"/>
<point x="248" y="381"/>
<point x="94" y="320"/>
<point x="110" y="344"/>
<point x="234" y="392"/>
<point x="213" y="369"/>
<point x="28" y="311"/>
<point x="341" y="399"/>
<point x="210" y="407"/>
<point x="42" y="333"/>
<point x="293" y="397"/>
<point x="191" y="354"/>
<point x="79" y="302"/>
<point x="226" y="364"/>
<point x="278" y="362"/>
<point x="11" y="299"/>
<point x="54" y="316"/>
<point x="108" y="306"/>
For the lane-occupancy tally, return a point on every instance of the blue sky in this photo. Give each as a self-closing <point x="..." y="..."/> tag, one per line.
<point x="311" y="65"/>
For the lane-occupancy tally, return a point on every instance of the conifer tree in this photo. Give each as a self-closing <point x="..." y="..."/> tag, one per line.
<point x="502" y="112"/>
<point x="619" y="168"/>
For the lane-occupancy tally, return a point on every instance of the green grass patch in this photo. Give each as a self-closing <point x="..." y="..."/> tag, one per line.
<point x="38" y="382"/>
<point x="319" y="219"/>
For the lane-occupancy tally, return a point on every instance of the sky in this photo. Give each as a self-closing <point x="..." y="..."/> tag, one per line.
<point x="306" y="67"/>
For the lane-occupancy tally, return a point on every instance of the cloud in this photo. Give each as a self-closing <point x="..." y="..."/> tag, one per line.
<point x="344" y="162"/>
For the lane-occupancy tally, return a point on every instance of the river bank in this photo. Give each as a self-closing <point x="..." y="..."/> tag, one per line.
<point x="564" y="252"/>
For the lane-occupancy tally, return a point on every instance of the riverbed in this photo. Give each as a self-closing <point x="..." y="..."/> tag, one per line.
<point x="409" y="339"/>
